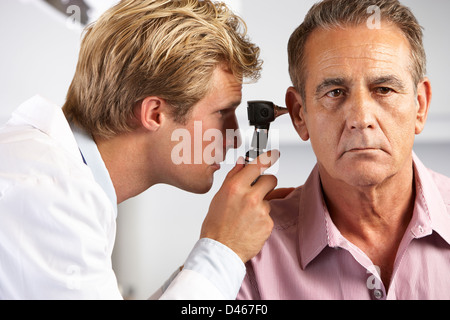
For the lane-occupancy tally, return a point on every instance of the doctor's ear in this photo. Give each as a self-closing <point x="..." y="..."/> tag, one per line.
<point x="150" y="113"/>
<point x="297" y="111"/>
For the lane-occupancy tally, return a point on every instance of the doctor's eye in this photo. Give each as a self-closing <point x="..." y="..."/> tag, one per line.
<point x="222" y="112"/>
<point x="225" y="112"/>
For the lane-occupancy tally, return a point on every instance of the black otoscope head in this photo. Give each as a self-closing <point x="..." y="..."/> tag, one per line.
<point x="262" y="113"/>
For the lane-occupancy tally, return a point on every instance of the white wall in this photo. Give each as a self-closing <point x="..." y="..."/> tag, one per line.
<point x="157" y="229"/>
<point x="38" y="54"/>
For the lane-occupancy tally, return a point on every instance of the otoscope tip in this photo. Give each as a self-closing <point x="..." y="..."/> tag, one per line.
<point x="279" y="111"/>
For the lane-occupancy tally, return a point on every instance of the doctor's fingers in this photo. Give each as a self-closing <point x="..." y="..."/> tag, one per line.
<point x="240" y="164"/>
<point x="264" y="185"/>
<point x="257" y="167"/>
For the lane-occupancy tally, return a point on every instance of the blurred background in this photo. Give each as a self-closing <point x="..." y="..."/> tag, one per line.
<point x="157" y="229"/>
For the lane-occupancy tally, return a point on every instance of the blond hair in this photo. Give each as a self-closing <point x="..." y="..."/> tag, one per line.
<point x="162" y="48"/>
<point x="340" y="13"/>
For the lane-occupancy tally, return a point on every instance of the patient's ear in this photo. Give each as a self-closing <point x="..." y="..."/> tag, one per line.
<point x="424" y="94"/>
<point x="294" y="103"/>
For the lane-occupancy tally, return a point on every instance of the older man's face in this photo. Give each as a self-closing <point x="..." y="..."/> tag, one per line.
<point x="362" y="110"/>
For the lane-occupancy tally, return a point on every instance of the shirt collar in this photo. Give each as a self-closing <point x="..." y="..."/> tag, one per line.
<point x="317" y="230"/>
<point x="313" y="224"/>
<point x="430" y="210"/>
<point x="93" y="159"/>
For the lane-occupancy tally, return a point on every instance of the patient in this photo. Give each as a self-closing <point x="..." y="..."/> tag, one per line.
<point x="371" y="222"/>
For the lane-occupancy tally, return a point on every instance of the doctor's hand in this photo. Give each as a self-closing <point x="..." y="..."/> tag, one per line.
<point x="279" y="193"/>
<point x="238" y="216"/>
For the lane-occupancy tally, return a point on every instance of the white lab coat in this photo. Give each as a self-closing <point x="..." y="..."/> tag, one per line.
<point x="57" y="225"/>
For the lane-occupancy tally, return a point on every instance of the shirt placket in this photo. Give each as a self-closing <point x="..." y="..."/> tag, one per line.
<point x="377" y="290"/>
<point x="373" y="281"/>
<point x="417" y="230"/>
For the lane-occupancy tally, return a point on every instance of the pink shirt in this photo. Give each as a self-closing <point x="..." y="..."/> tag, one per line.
<point x="306" y="257"/>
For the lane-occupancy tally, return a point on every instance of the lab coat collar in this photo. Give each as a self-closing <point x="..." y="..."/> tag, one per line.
<point x="94" y="161"/>
<point x="49" y="118"/>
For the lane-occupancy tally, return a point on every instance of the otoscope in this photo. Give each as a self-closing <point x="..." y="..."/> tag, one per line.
<point x="260" y="115"/>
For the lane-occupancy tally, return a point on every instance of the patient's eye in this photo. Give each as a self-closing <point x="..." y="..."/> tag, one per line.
<point x="383" y="90"/>
<point x="336" y="93"/>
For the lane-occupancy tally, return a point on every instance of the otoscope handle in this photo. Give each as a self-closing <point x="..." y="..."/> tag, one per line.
<point x="258" y="145"/>
<point x="261" y="114"/>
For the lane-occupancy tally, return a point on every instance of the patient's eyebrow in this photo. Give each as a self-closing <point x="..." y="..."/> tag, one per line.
<point x="389" y="80"/>
<point x="329" y="82"/>
<point x="386" y="80"/>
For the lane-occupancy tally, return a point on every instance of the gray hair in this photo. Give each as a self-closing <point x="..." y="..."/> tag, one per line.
<point x="341" y="13"/>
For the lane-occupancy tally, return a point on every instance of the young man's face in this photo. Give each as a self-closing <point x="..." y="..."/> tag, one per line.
<point x="361" y="108"/>
<point x="198" y="146"/>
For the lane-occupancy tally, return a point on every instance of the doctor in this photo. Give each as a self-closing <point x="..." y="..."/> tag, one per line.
<point x="145" y="69"/>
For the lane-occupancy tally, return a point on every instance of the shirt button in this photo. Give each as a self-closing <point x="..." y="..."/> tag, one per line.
<point x="378" y="294"/>
<point x="421" y="230"/>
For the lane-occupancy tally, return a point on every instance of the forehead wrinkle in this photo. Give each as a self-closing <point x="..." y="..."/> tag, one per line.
<point x="343" y="64"/>
<point x="367" y="52"/>
<point x="339" y="63"/>
<point x="338" y="54"/>
<point x="341" y="59"/>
